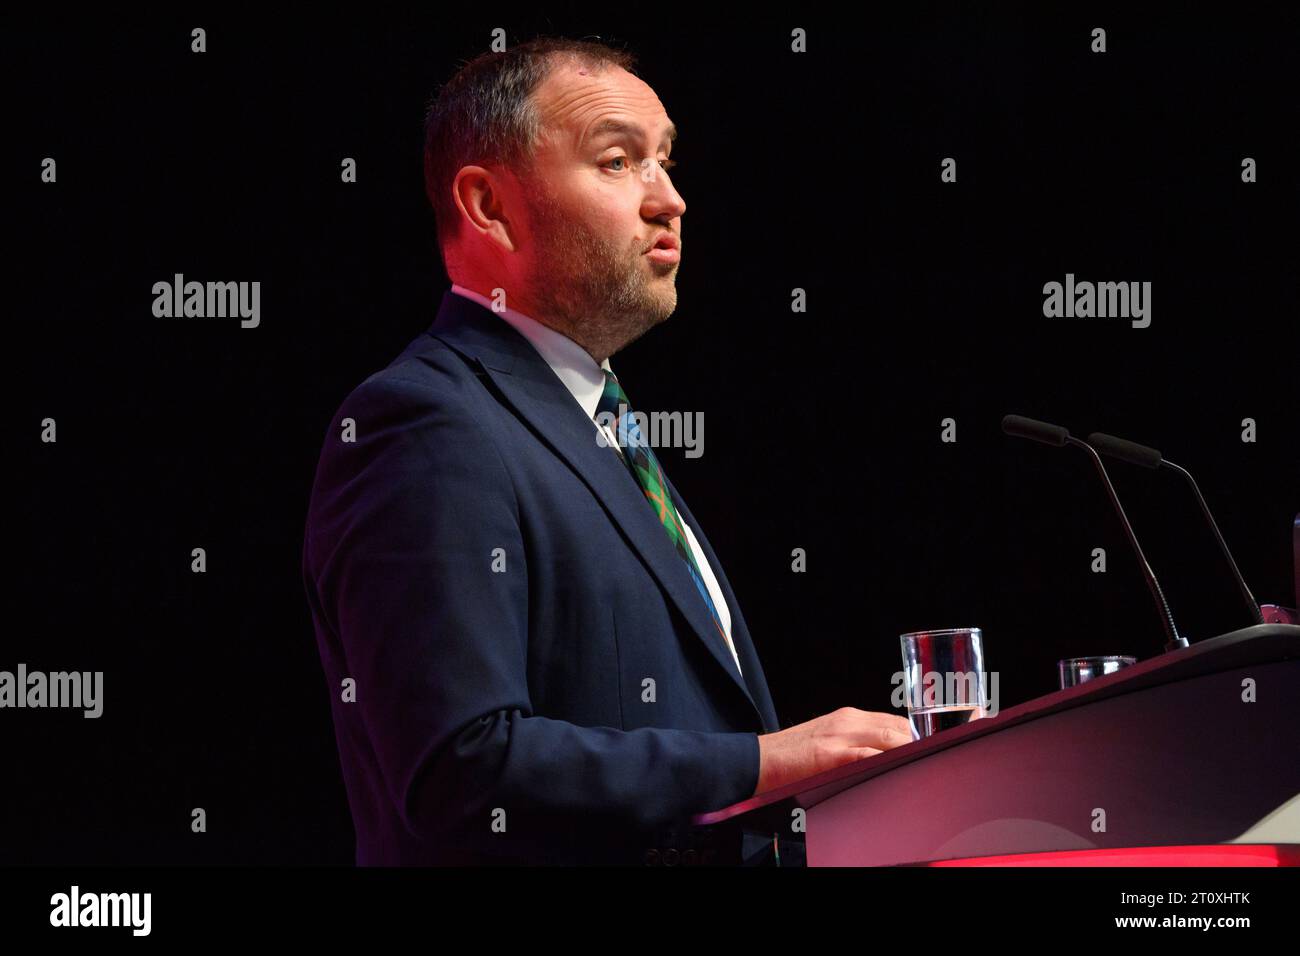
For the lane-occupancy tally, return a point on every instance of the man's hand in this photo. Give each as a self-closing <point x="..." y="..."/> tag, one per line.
<point x="837" y="738"/>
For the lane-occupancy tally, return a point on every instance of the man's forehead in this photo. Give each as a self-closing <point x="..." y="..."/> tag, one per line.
<point x="578" y="103"/>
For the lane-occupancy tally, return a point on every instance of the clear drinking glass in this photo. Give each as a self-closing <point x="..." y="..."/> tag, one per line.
<point x="944" y="679"/>
<point x="1076" y="670"/>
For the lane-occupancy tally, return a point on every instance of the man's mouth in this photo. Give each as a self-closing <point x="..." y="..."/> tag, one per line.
<point x="667" y="248"/>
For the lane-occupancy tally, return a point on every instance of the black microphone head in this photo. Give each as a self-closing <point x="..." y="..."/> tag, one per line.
<point x="1017" y="426"/>
<point x="1128" y="451"/>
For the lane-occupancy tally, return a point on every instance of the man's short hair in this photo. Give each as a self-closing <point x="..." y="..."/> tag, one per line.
<point x="485" y="115"/>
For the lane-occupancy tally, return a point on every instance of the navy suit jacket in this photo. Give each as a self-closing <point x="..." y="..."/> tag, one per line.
<point x="536" y="677"/>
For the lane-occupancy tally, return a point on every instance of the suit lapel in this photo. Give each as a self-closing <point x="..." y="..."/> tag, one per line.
<point x="739" y="629"/>
<point x="538" y="396"/>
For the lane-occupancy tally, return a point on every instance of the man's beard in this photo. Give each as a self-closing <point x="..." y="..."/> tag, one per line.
<point x="599" y="295"/>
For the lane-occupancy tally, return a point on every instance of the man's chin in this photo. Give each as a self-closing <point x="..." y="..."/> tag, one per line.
<point x="664" y="307"/>
<point x="658" y="309"/>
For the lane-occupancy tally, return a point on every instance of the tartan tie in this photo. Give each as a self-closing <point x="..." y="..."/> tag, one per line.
<point x="649" y="474"/>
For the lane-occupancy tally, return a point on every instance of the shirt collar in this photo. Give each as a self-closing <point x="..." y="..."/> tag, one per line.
<point x="573" y="364"/>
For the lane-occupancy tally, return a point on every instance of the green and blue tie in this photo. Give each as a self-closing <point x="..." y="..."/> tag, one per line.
<point x="649" y="474"/>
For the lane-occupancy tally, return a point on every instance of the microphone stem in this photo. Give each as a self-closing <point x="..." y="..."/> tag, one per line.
<point x="1166" y="617"/>
<point x="1223" y="545"/>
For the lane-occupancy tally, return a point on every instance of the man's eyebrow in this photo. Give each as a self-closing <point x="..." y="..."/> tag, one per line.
<point x="608" y="127"/>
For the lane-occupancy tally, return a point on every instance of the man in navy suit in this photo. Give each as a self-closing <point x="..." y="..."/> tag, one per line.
<point x="533" y="656"/>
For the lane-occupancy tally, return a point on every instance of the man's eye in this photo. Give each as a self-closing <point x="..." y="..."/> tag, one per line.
<point x="665" y="164"/>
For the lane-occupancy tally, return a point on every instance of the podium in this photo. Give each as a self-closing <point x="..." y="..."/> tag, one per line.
<point x="1191" y="756"/>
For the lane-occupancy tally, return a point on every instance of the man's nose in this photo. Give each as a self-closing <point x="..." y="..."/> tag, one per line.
<point x="662" y="198"/>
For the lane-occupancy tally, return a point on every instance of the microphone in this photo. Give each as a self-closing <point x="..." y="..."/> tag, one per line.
<point x="1018" y="426"/>
<point x="1136" y="454"/>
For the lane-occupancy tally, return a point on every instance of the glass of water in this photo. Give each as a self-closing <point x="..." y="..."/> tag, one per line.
<point x="944" y="679"/>
<point x="1076" y="670"/>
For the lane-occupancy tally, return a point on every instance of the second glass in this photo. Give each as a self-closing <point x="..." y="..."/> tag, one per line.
<point x="1074" y="671"/>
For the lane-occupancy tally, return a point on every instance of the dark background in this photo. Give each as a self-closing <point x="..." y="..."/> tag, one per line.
<point x="818" y="171"/>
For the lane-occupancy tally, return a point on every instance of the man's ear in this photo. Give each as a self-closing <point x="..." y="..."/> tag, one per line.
<point x="484" y="198"/>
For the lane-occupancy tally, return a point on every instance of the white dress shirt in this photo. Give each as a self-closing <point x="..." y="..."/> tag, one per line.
<point x="585" y="381"/>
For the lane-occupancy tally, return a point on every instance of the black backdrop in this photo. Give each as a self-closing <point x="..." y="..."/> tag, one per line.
<point x="818" y="171"/>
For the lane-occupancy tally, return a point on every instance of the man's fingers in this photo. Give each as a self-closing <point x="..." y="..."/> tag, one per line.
<point x="883" y="738"/>
<point x="900" y="723"/>
<point x="893" y="737"/>
<point x="889" y="730"/>
<point x="875" y="730"/>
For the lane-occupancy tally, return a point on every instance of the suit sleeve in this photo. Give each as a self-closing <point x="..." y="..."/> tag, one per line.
<point x="406" y="526"/>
